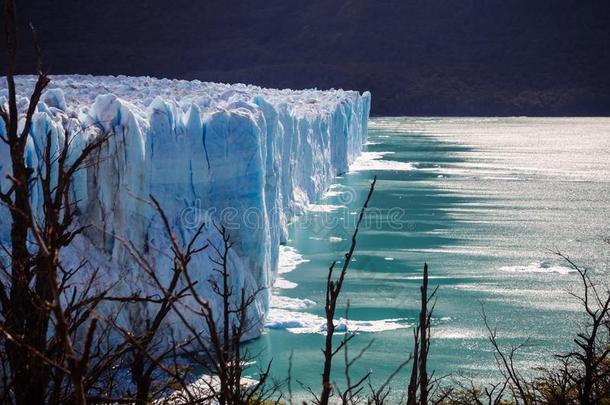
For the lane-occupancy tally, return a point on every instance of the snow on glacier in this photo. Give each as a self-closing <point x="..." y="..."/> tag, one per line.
<point x="249" y="157"/>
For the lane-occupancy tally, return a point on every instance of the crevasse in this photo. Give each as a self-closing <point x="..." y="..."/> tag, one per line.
<point x="244" y="156"/>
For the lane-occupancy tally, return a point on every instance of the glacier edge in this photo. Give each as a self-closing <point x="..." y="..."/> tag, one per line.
<point x="248" y="157"/>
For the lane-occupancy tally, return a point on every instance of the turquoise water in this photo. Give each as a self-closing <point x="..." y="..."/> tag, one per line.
<point x="483" y="201"/>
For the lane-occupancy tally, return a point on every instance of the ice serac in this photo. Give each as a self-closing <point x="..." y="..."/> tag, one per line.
<point x="243" y="156"/>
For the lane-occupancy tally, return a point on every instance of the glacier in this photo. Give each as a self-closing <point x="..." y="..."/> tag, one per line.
<point x="240" y="155"/>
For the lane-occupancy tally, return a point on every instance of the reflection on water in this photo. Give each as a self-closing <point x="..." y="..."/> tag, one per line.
<point x="483" y="201"/>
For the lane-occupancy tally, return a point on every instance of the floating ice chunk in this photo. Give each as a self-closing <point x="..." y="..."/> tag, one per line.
<point x="303" y="322"/>
<point x="290" y="258"/>
<point x="281" y="302"/>
<point x="283" y="284"/>
<point x="539" y="267"/>
<point x="376" y="161"/>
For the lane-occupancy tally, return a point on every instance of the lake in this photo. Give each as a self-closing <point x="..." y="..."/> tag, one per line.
<point x="485" y="202"/>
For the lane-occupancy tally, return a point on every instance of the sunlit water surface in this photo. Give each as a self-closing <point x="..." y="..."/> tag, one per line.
<point x="485" y="202"/>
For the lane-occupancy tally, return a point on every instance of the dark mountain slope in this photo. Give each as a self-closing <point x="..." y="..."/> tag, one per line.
<point x="418" y="57"/>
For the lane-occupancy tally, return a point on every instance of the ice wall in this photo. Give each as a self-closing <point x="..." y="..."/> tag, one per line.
<point x="248" y="157"/>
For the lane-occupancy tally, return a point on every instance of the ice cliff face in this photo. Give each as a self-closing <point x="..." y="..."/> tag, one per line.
<point x="247" y="157"/>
